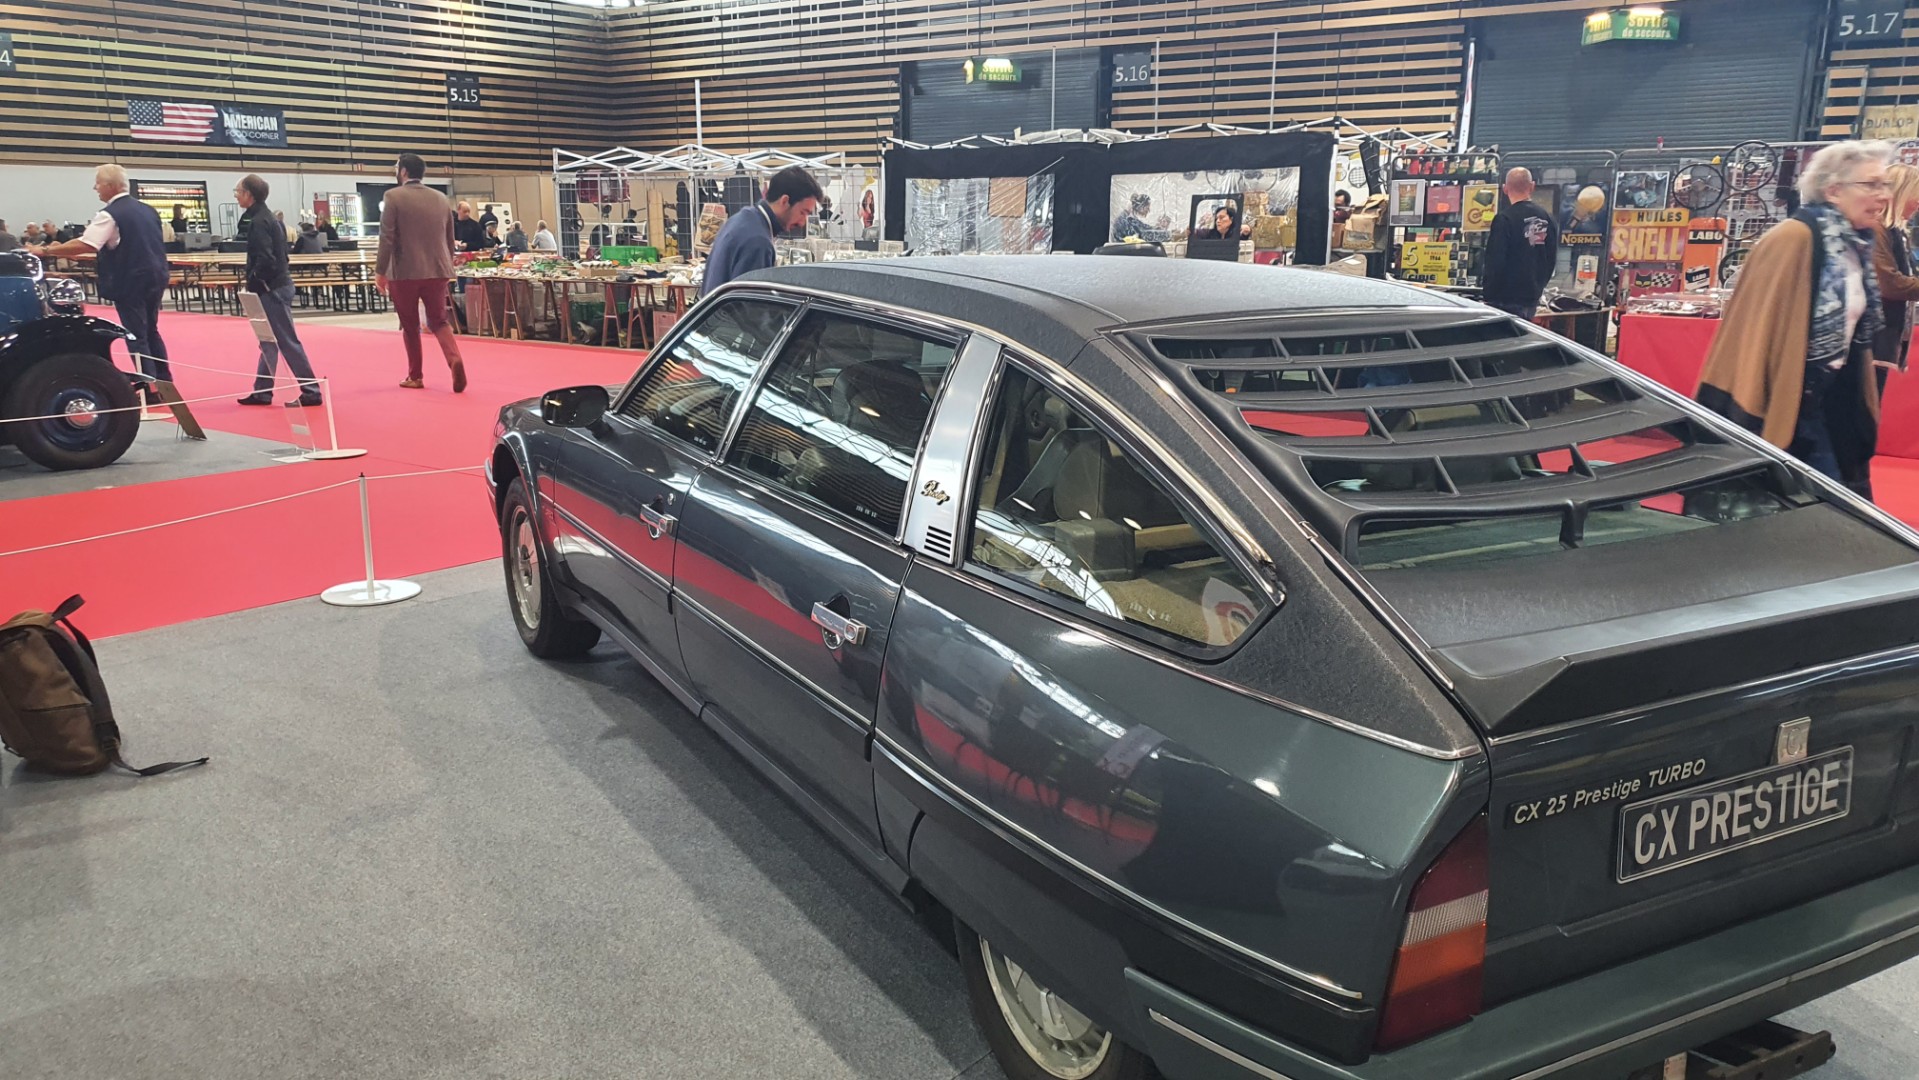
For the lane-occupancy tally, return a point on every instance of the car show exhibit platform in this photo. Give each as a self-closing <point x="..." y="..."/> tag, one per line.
<point x="295" y="545"/>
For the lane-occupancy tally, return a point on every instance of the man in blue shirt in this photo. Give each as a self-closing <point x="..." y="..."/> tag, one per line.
<point x="745" y="242"/>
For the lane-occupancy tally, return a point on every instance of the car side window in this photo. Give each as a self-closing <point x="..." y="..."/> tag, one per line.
<point x="841" y="412"/>
<point x="689" y="393"/>
<point x="1062" y="507"/>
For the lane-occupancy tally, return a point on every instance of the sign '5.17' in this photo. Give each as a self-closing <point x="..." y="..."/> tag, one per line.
<point x="1856" y="22"/>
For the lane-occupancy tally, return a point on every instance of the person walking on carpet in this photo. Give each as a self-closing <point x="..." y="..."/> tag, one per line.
<point x="127" y="237"/>
<point x="270" y="280"/>
<point x="414" y="264"/>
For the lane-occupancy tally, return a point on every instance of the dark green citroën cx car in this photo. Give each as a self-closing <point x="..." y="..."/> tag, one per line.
<point x="1266" y="673"/>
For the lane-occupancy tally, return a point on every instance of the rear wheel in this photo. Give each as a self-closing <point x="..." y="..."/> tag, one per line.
<point x="1033" y="1032"/>
<point x="75" y="391"/>
<point x="548" y="629"/>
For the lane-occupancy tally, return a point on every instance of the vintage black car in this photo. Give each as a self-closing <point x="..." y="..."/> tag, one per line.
<point x="57" y="376"/>
<point x="1273" y="673"/>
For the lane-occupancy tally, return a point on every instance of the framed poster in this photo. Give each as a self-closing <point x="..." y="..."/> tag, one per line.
<point x="1442" y="200"/>
<point x="1408" y="206"/>
<point x="1480" y="207"/>
<point x="1643" y="189"/>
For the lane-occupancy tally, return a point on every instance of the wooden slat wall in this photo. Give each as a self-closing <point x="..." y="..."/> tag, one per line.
<point x="360" y="80"/>
<point x="823" y="76"/>
<point x="1885" y="75"/>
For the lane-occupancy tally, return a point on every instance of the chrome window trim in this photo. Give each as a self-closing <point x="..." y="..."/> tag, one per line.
<point x="926" y="773"/>
<point x="1205" y="1043"/>
<point x="656" y="355"/>
<point x="949" y="453"/>
<point x="1623" y="1041"/>
<point x="813" y="689"/>
<point x="947" y="334"/>
<point x="1171" y="660"/>
<point x="1215" y="507"/>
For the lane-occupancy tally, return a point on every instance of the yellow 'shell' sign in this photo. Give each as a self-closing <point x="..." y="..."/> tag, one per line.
<point x="1649" y="236"/>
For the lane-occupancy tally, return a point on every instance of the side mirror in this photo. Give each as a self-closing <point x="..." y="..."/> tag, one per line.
<point x="575" y="406"/>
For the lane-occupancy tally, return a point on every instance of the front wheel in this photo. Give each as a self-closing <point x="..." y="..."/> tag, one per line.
<point x="76" y="393"/>
<point x="549" y="630"/>
<point x="1033" y="1032"/>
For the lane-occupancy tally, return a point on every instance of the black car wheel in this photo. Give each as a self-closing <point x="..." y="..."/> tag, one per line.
<point x="549" y="630"/>
<point x="1033" y="1032"/>
<point x="76" y="391"/>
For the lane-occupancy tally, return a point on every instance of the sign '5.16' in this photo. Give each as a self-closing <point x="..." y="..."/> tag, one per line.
<point x="1855" y="22"/>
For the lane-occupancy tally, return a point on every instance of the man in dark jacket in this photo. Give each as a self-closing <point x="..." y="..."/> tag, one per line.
<point x="745" y="242"/>
<point x="132" y="261"/>
<point x="269" y="279"/>
<point x="1521" y="252"/>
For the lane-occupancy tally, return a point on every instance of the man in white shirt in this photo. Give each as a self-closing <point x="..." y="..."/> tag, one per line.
<point x="543" y="240"/>
<point x="128" y="240"/>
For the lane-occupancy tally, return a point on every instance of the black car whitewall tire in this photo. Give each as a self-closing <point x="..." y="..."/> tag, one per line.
<point x="1034" y="1033"/>
<point x="549" y="630"/>
<point x="78" y="390"/>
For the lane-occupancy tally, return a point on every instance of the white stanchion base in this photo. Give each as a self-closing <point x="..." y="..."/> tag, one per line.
<point x="358" y="593"/>
<point x="329" y="455"/>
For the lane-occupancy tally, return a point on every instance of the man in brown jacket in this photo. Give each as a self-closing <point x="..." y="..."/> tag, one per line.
<point x="415" y="263"/>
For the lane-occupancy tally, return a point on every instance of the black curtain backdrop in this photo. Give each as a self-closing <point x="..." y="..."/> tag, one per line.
<point x="1083" y="177"/>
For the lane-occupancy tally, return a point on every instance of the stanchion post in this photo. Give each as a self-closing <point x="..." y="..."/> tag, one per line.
<point x="372" y="592"/>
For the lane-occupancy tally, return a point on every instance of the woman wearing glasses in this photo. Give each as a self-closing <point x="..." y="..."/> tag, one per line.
<point x="1795" y="345"/>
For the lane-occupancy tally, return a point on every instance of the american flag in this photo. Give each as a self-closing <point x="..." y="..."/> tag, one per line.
<point x="169" y="121"/>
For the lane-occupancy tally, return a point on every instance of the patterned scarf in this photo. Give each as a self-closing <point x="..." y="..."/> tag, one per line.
<point x="1840" y="242"/>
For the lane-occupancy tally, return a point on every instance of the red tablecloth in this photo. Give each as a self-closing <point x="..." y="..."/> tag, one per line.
<point x="1670" y="349"/>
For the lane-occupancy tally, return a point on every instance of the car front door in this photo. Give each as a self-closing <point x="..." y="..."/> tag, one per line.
<point x="790" y="563"/>
<point x="619" y="489"/>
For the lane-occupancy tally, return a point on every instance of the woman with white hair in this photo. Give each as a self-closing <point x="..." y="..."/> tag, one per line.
<point x="1793" y="356"/>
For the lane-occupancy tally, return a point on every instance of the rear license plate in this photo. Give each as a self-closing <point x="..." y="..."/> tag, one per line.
<point x="1685" y="827"/>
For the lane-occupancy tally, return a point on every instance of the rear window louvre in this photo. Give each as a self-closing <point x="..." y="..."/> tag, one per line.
<point x="1447" y="414"/>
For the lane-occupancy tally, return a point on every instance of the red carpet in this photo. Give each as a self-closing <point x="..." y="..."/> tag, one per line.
<point x="300" y="546"/>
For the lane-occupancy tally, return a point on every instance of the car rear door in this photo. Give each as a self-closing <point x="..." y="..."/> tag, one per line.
<point x="790" y="562"/>
<point x="618" y="490"/>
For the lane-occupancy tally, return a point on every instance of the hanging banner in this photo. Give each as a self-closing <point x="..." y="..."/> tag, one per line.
<point x="1893" y="123"/>
<point x="1650" y="236"/>
<point x="197" y="122"/>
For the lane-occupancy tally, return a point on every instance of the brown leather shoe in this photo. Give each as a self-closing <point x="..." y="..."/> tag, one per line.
<point x="413" y="384"/>
<point x="459" y="376"/>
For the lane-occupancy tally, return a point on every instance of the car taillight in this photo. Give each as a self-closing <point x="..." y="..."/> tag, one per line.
<point x="1442" y="954"/>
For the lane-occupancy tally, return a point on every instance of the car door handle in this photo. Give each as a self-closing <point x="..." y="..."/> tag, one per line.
<point x="658" y="522"/>
<point x="838" y="629"/>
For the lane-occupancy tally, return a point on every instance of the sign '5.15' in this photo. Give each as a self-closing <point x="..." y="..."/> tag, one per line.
<point x="1855" y="22"/>
<point x="462" y="90"/>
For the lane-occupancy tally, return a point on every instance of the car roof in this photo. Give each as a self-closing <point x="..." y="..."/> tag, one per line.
<point x="1056" y="302"/>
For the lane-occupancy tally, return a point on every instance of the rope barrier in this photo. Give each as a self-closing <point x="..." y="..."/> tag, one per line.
<point x="236" y="509"/>
<point x="129" y="408"/>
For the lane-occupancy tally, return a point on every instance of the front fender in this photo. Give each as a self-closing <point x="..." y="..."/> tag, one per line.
<point x="61" y="333"/>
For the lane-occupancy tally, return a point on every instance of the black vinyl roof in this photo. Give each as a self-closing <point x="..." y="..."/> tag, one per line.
<point x="1057" y="302"/>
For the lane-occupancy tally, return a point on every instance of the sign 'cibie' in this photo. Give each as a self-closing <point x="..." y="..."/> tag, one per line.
<point x="1631" y="24"/>
<point x="1649" y="236"/>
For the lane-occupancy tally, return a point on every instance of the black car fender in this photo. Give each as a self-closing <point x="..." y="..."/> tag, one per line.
<point x="511" y="450"/>
<point x="56" y="334"/>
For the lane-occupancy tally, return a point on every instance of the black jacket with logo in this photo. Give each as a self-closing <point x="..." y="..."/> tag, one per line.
<point x="1521" y="254"/>
<point x="266" y="251"/>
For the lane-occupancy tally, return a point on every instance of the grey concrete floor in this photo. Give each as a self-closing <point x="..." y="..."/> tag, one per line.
<point x="157" y="453"/>
<point x="421" y="853"/>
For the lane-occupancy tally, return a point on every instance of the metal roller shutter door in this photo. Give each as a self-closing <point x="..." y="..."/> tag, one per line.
<point x="1742" y="69"/>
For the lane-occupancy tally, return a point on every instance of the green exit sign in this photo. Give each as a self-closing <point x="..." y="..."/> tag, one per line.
<point x="992" y="69"/>
<point x="1630" y="24"/>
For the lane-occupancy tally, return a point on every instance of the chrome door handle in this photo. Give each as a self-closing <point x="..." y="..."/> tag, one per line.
<point x="657" y="523"/>
<point x="838" y="629"/>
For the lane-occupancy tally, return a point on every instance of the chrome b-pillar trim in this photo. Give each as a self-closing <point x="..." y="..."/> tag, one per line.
<point x="942" y="483"/>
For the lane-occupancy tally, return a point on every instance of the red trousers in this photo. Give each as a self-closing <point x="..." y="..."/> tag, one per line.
<point x="409" y="296"/>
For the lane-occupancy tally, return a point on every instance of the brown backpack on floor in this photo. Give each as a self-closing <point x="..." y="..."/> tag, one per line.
<point x="54" y="710"/>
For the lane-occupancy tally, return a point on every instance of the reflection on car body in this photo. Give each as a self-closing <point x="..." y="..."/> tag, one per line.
<point x="1193" y="661"/>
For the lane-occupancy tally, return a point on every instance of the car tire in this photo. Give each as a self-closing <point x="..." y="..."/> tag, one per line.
<point x="1003" y="999"/>
<point x="547" y="628"/>
<point x="82" y="386"/>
